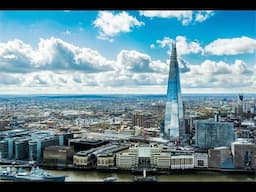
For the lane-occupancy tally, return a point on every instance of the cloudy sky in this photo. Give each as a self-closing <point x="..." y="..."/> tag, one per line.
<point x="88" y="52"/>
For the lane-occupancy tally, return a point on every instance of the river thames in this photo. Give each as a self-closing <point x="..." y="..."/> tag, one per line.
<point x="204" y="176"/>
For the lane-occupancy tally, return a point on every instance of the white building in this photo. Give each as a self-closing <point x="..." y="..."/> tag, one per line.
<point x="201" y="160"/>
<point x="162" y="160"/>
<point x="182" y="161"/>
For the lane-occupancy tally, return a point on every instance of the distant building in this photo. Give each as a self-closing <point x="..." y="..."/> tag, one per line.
<point x="209" y="134"/>
<point x="244" y="154"/>
<point x="58" y="155"/>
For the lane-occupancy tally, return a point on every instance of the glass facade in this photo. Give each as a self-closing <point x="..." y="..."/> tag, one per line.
<point x="214" y="134"/>
<point x="174" y="123"/>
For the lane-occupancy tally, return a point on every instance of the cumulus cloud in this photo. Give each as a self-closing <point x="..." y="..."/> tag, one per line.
<point x="231" y="46"/>
<point x="52" y="54"/>
<point x="134" y="61"/>
<point x="186" y="17"/>
<point x="212" y="74"/>
<point x="56" y="65"/>
<point x="110" y="24"/>
<point x="183" y="46"/>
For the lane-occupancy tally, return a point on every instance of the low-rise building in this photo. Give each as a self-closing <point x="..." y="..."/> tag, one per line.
<point x="58" y="155"/>
<point x="105" y="161"/>
<point x="244" y="154"/>
<point x="182" y="161"/>
<point x="162" y="161"/>
<point x="219" y="157"/>
<point x="84" y="159"/>
<point x="201" y="160"/>
<point x="126" y="160"/>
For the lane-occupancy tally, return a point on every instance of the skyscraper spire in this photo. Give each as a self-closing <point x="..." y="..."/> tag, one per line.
<point x="174" y="124"/>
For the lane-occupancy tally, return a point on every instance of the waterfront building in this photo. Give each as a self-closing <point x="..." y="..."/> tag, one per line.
<point x="244" y="154"/>
<point x="86" y="144"/>
<point x="162" y="161"/>
<point x="209" y="134"/>
<point x="57" y="155"/>
<point x="37" y="145"/>
<point x="21" y="148"/>
<point x="126" y="160"/>
<point x="201" y="160"/>
<point x="84" y="158"/>
<point x="4" y="148"/>
<point x="220" y="157"/>
<point x="174" y="129"/>
<point x="182" y="161"/>
<point x="105" y="161"/>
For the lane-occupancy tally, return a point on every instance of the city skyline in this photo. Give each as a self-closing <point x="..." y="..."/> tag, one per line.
<point x="82" y="52"/>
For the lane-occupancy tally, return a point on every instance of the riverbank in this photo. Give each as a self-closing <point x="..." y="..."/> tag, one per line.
<point x="149" y="171"/>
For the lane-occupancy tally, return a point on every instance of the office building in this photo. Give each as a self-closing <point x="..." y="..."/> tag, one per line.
<point x="209" y="134"/>
<point x="174" y="129"/>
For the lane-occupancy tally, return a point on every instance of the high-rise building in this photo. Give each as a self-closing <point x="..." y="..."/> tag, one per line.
<point x="174" y="123"/>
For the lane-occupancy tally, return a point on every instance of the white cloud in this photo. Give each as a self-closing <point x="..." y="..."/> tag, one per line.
<point x="152" y="46"/>
<point x="186" y="17"/>
<point x="136" y="62"/>
<point x="58" y="66"/>
<point x="52" y="54"/>
<point x="212" y="74"/>
<point x="231" y="46"/>
<point x="110" y="24"/>
<point x="183" y="46"/>
<point x="203" y="15"/>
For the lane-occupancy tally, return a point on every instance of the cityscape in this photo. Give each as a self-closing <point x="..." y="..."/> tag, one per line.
<point x="68" y="113"/>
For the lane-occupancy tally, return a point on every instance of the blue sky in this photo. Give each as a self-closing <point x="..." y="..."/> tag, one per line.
<point x="90" y="52"/>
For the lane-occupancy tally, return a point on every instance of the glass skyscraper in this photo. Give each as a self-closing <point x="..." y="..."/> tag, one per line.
<point x="174" y="129"/>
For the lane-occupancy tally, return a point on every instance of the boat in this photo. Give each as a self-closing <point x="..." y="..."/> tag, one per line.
<point x="144" y="178"/>
<point x="35" y="175"/>
<point x="110" y="179"/>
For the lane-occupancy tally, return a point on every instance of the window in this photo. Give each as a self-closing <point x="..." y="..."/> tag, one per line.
<point x="200" y="162"/>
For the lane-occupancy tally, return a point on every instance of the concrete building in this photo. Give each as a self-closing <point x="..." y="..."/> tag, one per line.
<point x="244" y="154"/>
<point x="105" y="161"/>
<point x="162" y="161"/>
<point x="209" y="134"/>
<point x="182" y="161"/>
<point x="84" y="159"/>
<point x="126" y="160"/>
<point x="220" y="157"/>
<point x="201" y="160"/>
<point x="58" y="155"/>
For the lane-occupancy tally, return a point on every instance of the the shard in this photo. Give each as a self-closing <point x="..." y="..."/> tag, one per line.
<point x="174" y="129"/>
